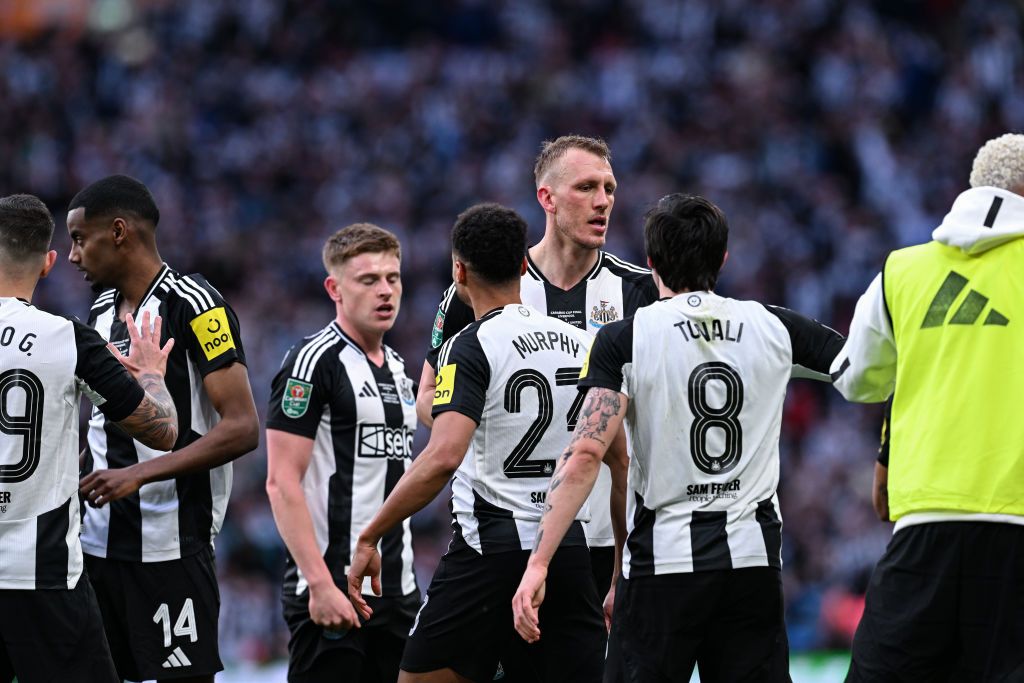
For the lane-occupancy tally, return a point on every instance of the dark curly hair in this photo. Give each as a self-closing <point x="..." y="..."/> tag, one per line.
<point x="491" y="240"/>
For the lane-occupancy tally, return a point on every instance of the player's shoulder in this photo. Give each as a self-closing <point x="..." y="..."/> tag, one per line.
<point x="618" y="331"/>
<point x="192" y="292"/>
<point x="103" y="302"/>
<point x="623" y="268"/>
<point x="40" y="321"/>
<point x="468" y="339"/>
<point x="311" y="351"/>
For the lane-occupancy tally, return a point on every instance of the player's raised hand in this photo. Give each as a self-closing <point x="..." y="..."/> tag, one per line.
<point x="145" y="355"/>
<point x="328" y="607"/>
<point x="365" y="562"/>
<point x="527" y="600"/>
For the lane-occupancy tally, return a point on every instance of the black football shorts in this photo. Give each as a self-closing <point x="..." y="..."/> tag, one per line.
<point x="160" y="617"/>
<point x="728" y="622"/>
<point x="465" y="623"/>
<point x="54" y="635"/>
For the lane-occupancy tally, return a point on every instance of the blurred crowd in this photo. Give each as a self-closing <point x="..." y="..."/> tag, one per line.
<point x="829" y="131"/>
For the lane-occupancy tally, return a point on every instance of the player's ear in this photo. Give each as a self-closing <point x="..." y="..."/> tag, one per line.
<point x="458" y="271"/>
<point x="51" y="258"/>
<point x="522" y="267"/>
<point x="725" y="259"/>
<point x="333" y="291"/>
<point x="545" y="199"/>
<point x="119" y="231"/>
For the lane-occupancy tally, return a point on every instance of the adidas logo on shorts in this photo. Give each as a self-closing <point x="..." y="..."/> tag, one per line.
<point x="176" y="660"/>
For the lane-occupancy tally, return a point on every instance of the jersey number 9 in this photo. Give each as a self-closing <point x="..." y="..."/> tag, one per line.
<point x="28" y="425"/>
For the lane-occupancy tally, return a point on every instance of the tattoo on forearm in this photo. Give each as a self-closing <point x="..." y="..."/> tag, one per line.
<point x="601" y="406"/>
<point x="156" y="419"/>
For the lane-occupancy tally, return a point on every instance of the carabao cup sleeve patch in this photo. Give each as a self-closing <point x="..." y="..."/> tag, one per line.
<point x="437" y="334"/>
<point x="295" y="399"/>
<point x="213" y="332"/>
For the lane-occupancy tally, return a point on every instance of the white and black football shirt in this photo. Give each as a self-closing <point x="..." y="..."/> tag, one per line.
<point x="514" y="372"/>
<point x="166" y="520"/>
<point x="362" y="419"/>
<point x="46" y="363"/>
<point x="706" y="378"/>
<point x="612" y="290"/>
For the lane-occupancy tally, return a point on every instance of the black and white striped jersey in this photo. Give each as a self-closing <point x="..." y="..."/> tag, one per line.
<point x="166" y="520"/>
<point x="362" y="419"/>
<point x="46" y="363"/>
<point x="706" y="378"/>
<point x="612" y="290"/>
<point x="514" y="372"/>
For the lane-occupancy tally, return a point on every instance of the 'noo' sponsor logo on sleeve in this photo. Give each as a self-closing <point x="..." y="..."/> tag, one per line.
<point x="213" y="332"/>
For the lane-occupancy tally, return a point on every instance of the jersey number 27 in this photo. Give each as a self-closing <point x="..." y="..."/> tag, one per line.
<point x="518" y="464"/>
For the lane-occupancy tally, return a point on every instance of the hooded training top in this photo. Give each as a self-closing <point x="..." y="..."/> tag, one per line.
<point x="940" y="330"/>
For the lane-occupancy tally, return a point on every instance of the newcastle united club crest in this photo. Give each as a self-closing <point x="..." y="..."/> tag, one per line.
<point x="599" y="317"/>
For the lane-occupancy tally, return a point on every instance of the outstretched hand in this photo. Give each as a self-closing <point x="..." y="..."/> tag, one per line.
<point x="144" y="355"/>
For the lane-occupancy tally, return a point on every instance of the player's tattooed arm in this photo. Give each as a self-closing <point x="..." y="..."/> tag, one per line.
<point x="599" y="408"/>
<point x="155" y="421"/>
<point x="578" y="465"/>
<point x="575" y="473"/>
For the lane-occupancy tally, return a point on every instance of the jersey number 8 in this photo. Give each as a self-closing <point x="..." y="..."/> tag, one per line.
<point x="708" y="417"/>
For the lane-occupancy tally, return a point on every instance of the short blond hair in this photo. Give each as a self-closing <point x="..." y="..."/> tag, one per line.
<point x="553" y="150"/>
<point x="356" y="239"/>
<point x="1000" y="163"/>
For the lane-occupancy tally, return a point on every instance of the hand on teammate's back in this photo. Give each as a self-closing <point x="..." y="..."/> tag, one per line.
<point x="144" y="355"/>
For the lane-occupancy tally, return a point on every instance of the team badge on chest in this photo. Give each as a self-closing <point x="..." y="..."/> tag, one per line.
<point x="601" y="316"/>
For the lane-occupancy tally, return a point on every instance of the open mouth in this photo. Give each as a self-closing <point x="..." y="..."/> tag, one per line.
<point x="386" y="309"/>
<point x="598" y="222"/>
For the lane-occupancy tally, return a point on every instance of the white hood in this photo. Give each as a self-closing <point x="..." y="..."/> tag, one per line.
<point x="965" y="226"/>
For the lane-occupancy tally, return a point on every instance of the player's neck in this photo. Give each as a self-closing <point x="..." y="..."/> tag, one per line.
<point x="562" y="262"/>
<point x="372" y="343"/>
<point x="18" y="280"/>
<point x="136" y="281"/>
<point x="487" y="299"/>
<point x="16" y="288"/>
